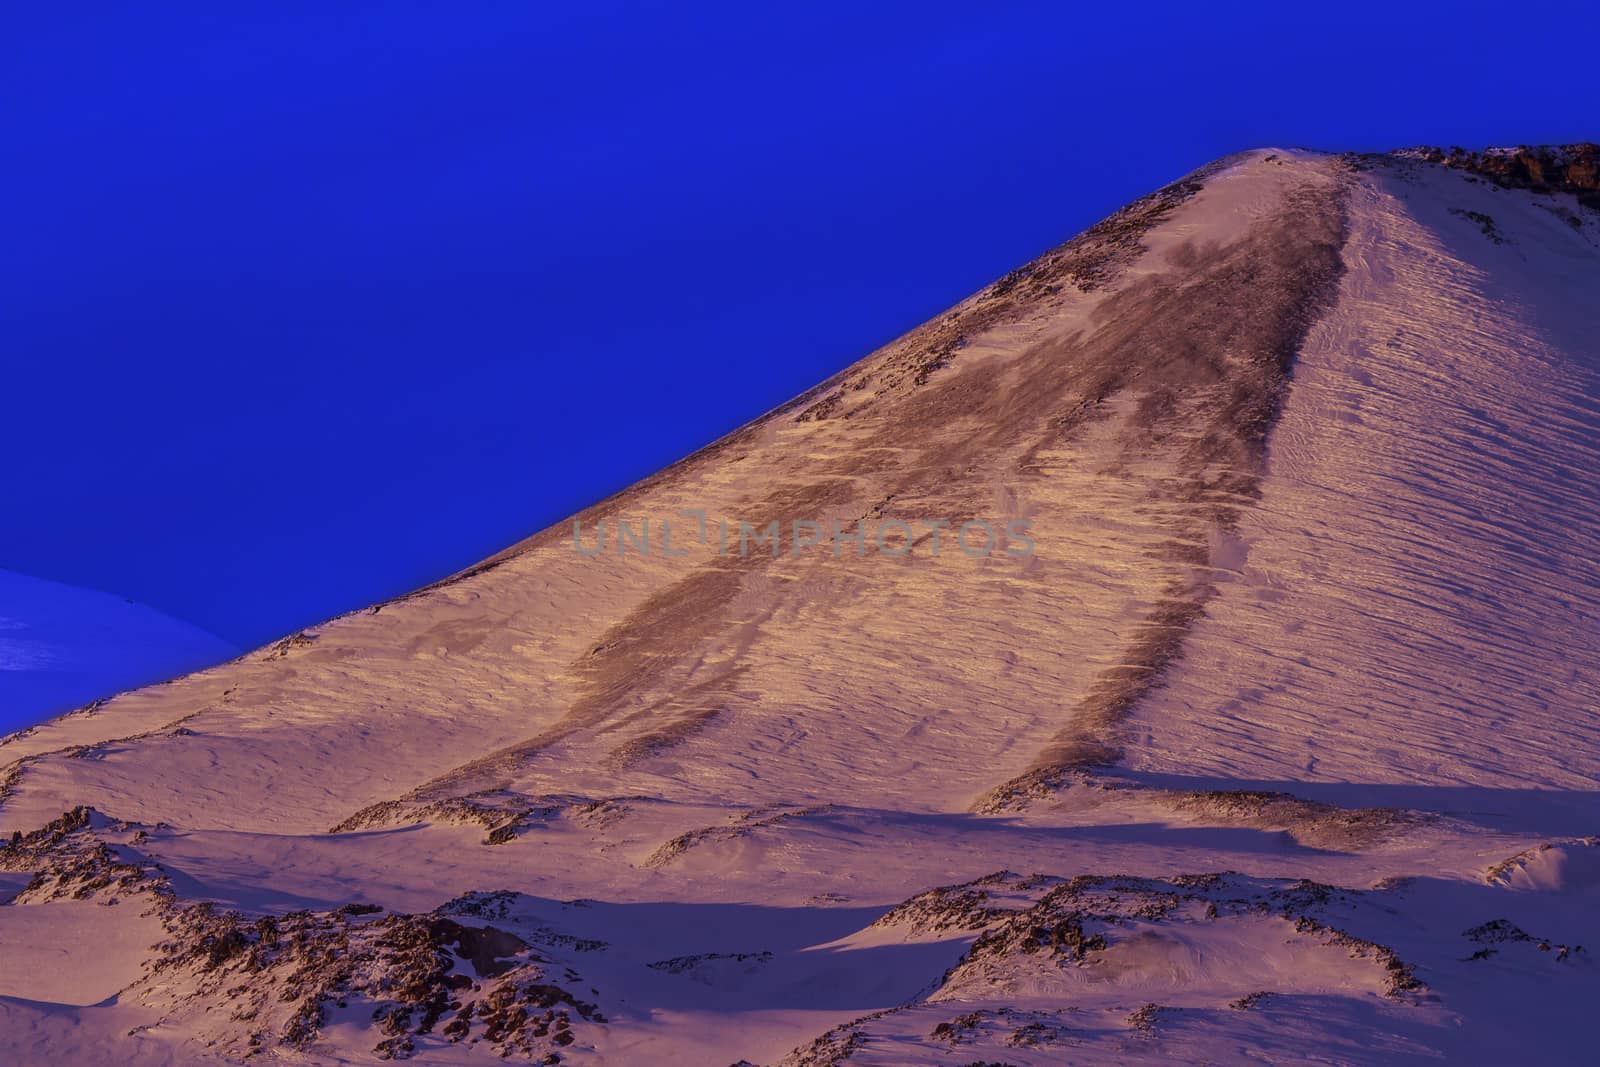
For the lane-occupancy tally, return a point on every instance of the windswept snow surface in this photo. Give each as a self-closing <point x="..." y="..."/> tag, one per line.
<point x="1280" y="745"/>
<point x="1422" y="560"/>
<point x="61" y="647"/>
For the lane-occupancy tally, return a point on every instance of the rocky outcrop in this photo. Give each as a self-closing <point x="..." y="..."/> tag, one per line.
<point x="1569" y="168"/>
<point x="246" y="984"/>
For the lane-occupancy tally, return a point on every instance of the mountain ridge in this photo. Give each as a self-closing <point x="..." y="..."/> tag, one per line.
<point x="1304" y="448"/>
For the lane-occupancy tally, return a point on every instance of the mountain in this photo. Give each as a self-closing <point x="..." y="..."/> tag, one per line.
<point x="1183" y="649"/>
<point x="61" y="646"/>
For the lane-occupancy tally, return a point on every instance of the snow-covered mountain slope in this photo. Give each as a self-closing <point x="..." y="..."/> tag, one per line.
<point x="61" y="647"/>
<point x="1290" y="469"/>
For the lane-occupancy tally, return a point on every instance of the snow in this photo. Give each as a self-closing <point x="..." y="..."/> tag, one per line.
<point x="76" y="953"/>
<point x="1413" y="601"/>
<point x="722" y="795"/>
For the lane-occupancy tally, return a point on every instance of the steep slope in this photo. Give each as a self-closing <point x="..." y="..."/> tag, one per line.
<point x="61" y="646"/>
<point x="1281" y="484"/>
<point x="1423" y="554"/>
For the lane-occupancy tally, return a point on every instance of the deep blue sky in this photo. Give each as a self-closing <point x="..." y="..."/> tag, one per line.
<point x="307" y="304"/>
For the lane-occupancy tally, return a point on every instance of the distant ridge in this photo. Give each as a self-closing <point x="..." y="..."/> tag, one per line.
<point x="61" y="646"/>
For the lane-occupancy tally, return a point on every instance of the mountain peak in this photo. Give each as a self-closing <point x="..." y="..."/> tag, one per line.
<point x="1250" y="530"/>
